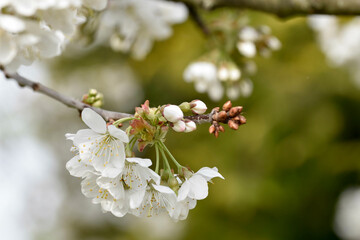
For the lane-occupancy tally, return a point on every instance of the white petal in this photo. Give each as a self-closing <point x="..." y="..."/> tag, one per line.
<point x="93" y="120"/>
<point x="198" y="187"/>
<point x="11" y="24"/>
<point x="85" y="135"/>
<point x="163" y="189"/>
<point x="78" y="168"/>
<point x="7" y="49"/>
<point x="107" y="205"/>
<point x="118" y="133"/>
<point x="70" y="136"/>
<point x="136" y="198"/>
<point x="96" y="4"/>
<point x="111" y="172"/>
<point x="183" y="191"/>
<point x="144" y="162"/>
<point x="209" y="173"/>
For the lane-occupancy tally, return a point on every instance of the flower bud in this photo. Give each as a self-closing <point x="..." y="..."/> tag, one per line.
<point x="173" y="183"/>
<point x="97" y="104"/>
<point x="222" y="116"/>
<point x="190" y="126"/>
<point x="93" y="92"/>
<point x="242" y="119"/>
<point x="212" y="129"/>
<point x="198" y="107"/>
<point x="179" y="126"/>
<point x="185" y="106"/>
<point x="233" y="125"/>
<point x="173" y="113"/>
<point x="223" y="73"/>
<point x="234" y="74"/>
<point x="226" y="107"/>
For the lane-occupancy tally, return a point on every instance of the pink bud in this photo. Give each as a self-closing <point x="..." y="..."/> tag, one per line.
<point x="198" y="107"/>
<point x="179" y="126"/>
<point x="173" y="113"/>
<point x="190" y="126"/>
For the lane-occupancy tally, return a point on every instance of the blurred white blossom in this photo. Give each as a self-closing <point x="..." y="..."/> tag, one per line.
<point x="347" y="216"/>
<point x="131" y="26"/>
<point x="339" y="42"/>
<point x="33" y="29"/>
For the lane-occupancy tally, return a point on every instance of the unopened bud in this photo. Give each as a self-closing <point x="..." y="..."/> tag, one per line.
<point x="242" y="119"/>
<point x="235" y="111"/>
<point x="99" y="96"/>
<point x="187" y="173"/>
<point x="93" y="92"/>
<point x="216" y="134"/>
<point x="173" y="183"/>
<point x="190" y="126"/>
<point x="173" y="113"/>
<point x="212" y="129"/>
<point x="222" y="116"/>
<point x="185" y="106"/>
<point x="227" y="106"/>
<point x="221" y="129"/>
<point x="179" y="126"/>
<point x="233" y="125"/>
<point x="97" y="104"/>
<point x="198" y="107"/>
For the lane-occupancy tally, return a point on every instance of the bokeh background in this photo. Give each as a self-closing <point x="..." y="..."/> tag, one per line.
<point x="285" y="169"/>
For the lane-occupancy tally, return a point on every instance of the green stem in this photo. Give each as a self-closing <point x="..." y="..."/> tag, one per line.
<point x="121" y="120"/>
<point x="157" y="159"/>
<point x="171" y="156"/>
<point x="165" y="158"/>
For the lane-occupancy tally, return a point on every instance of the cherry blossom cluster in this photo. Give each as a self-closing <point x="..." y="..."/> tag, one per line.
<point x="34" y="29"/>
<point x="131" y="26"/>
<point x="339" y="41"/>
<point x="122" y="183"/>
<point x="216" y="72"/>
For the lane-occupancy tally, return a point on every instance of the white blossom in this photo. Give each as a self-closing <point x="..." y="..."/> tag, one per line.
<point x="190" y="126"/>
<point x="347" y="215"/>
<point x="181" y="209"/>
<point x="172" y="113"/>
<point x="133" y="25"/>
<point x="157" y="199"/>
<point x="246" y="48"/>
<point x="101" y="146"/>
<point x="198" y="106"/>
<point x="196" y="187"/>
<point x="179" y="126"/>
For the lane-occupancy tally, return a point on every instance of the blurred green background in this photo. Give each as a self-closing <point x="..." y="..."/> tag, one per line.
<point x="284" y="169"/>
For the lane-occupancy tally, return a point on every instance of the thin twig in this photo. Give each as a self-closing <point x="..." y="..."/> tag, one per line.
<point x="286" y="8"/>
<point x="73" y="103"/>
<point x="68" y="101"/>
<point x="198" y="20"/>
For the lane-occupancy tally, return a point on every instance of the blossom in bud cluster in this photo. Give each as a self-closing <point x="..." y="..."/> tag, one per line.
<point x="195" y="186"/>
<point x="189" y="126"/>
<point x="173" y="113"/>
<point x="214" y="80"/>
<point x="179" y="126"/>
<point x="123" y="184"/>
<point x="198" y="107"/>
<point x="34" y="29"/>
<point x="131" y="26"/>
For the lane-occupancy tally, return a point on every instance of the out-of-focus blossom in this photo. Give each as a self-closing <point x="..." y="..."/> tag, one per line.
<point x="347" y="217"/>
<point x="133" y="25"/>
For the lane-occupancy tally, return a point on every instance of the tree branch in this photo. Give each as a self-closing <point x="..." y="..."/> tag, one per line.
<point x="73" y="103"/>
<point x="70" y="102"/>
<point x="287" y="8"/>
